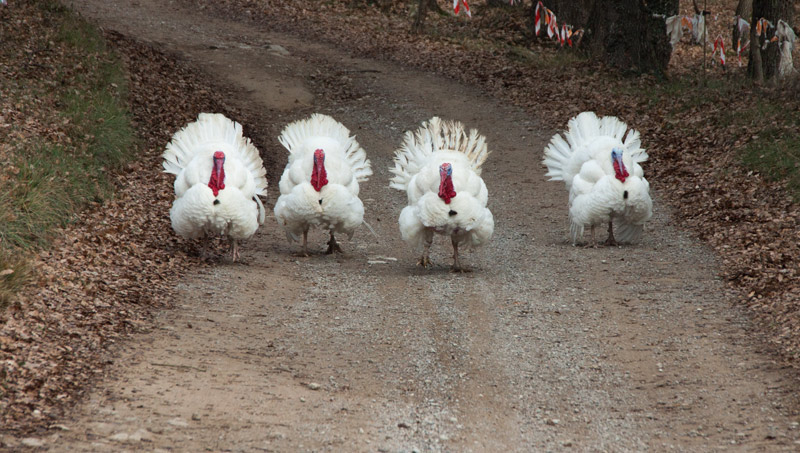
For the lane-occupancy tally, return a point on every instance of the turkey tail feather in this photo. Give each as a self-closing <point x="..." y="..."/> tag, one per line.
<point x="262" y="213"/>
<point x="629" y="233"/>
<point x="436" y="135"/>
<point x="209" y="131"/>
<point x="556" y="156"/>
<point x="319" y="125"/>
<point x="581" y="131"/>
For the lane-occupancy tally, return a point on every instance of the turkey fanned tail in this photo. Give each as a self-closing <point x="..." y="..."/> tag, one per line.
<point x="212" y="130"/>
<point x="319" y="125"/>
<point x="436" y="135"/>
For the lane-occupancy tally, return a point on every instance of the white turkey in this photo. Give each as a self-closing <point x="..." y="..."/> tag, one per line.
<point x="220" y="177"/>
<point x="319" y="186"/>
<point x="439" y="168"/>
<point x="606" y="184"/>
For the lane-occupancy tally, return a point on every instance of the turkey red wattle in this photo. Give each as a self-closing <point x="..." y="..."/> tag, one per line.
<point x="620" y="172"/>
<point x="217" y="181"/>
<point x="318" y="175"/>
<point x="446" y="189"/>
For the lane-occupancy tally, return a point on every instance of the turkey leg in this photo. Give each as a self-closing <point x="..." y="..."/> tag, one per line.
<point x="234" y="250"/>
<point x="333" y="247"/>
<point x="456" y="265"/>
<point x="611" y="241"/>
<point x="593" y="242"/>
<point x="425" y="260"/>
<point x="305" y="244"/>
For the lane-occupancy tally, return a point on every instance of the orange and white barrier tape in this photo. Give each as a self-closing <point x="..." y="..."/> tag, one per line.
<point x="457" y="7"/>
<point x="719" y="44"/>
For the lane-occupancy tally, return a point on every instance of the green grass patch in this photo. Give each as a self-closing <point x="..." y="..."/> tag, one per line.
<point x="685" y="92"/>
<point x="50" y="185"/>
<point x="776" y="151"/>
<point x="776" y="154"/>
<point x="563" y="58"/>
<point x="15" y="273"/>
<point x="56" y="175"/>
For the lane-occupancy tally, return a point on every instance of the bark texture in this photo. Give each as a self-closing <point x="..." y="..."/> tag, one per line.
<point x="573" y="12"/>
<point x="627" y="36"/>
<point x="764" y="64"/>
<point x="665" y="7"/>
<point x="744" y="9"/>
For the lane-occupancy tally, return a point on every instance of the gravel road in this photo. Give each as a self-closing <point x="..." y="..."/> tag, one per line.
<point x="544" y="347"/>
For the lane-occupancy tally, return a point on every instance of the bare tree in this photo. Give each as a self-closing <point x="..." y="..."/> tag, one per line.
<point x="744" y="10"/>
<point x="627" y="35"/>
<point x="573" y="12"/>
<point x="665" y="7"/>
<point x="623" y="33"/>
<point x="577" y="12"/>
<point x="422" y="10"/>
<point x="763" y="65"/>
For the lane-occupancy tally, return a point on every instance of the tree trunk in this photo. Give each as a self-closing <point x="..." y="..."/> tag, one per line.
<point x="577" y="12"/>
<point x="764" y="65"/>
<point x="572" y="12"/>
<point x="744" y="10"/>
<point x="419" y="19"/>
<point x="665" y="7"/>
<point x="626" y="35"/>
<point x="754" y="65"/>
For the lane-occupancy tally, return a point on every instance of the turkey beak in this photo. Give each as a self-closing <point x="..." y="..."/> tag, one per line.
<point x="619" y="166"/>
<point x="618" y="158"/>
<point x="219" y="163"/>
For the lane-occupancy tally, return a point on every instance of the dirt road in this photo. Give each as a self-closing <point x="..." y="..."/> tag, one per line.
<point x="543" y="347"/>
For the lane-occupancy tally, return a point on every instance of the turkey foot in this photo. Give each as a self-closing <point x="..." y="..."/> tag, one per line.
<point x="199" y="251"/>
<point x="610" y="242"/>
<point x="333" y="246"/>
<point x="425" y="260"/>
<point x="593" y="243"/>
<point x="234" y="250"/>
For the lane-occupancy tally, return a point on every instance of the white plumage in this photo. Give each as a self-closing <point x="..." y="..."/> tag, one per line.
<point x="220" y="176"/>
<point x="439" y="168"/>
<point x="603" y="176"/>
<point x="320" y="183"/>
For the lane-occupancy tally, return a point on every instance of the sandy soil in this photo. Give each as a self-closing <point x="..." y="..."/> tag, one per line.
<point x="543" y="347"/>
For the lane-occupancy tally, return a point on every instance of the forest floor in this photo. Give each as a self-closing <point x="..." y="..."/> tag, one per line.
<point x="543" y="346"/>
